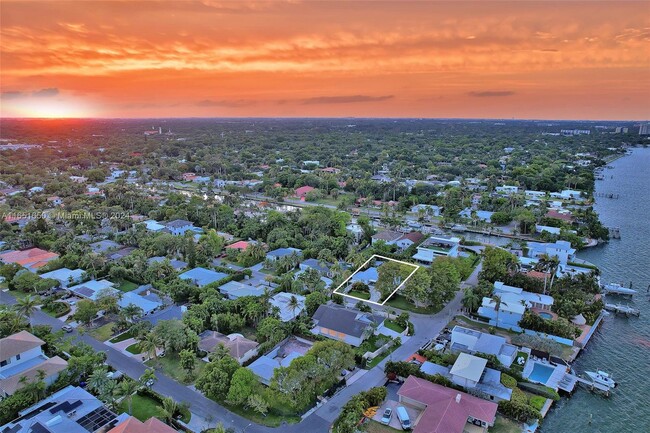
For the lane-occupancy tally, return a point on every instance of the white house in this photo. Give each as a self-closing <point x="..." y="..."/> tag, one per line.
<point x="282" y="302"/>
<point x="179" y="227"/>
<point x="471" y="341"/>
<point x="437" y="246"/>
<point x="65" y="276"/>
<point x="560" y="249"/>
<point x="21" y="355"/>
<point x="467" y="370"/>
<point x="507" y="189"/>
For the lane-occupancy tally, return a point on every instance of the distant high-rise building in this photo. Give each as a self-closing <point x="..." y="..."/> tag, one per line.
<point x="644" y="129"/>
<point x="621" y="130"/>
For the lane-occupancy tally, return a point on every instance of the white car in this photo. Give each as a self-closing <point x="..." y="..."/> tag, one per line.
<point x="388" y="414"/>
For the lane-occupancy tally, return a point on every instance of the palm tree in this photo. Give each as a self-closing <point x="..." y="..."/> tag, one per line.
<point x="293" y="304"/>
<point x="27" y="305"/>
<point x="168" y="410"/>
<point x="471" y="301"/>
<point x="149" y="345"/>
<point x="98" y="380"/>
<point x="131" y="312"/>
<point x="496" y="299"/>
<point x="126" y="389"/>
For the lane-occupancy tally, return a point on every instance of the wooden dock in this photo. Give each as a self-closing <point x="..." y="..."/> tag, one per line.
<point x="570" y="381"/>
<point x="614" y="232"/>
<point x="622" y="309"/>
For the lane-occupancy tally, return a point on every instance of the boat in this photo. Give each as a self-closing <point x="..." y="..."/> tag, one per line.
<point x="617" y="289"/>
<point x="458" y="228"/>
<point x="602" y="378"/>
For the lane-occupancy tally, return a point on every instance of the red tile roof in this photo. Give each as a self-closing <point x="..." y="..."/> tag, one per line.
<point x="447" y="409"/>
<point x="241" y="245"/>
<point x="303" y="190"/>
<point x="133" y="425"/>
<point x="32" y="255"/>
<point x="414" y="237"/>
<point x="560" y="215"/>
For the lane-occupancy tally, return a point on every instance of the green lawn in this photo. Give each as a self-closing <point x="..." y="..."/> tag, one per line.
<point x="375" y="427"/>
<point x="379" y="358"/>
<point x="127" y="286"/>
<point x="102" y="333"/>
<point x="481" y="326"/>
<point x="393" y="326"/>
<point x="170" y="364"/>
<point x="144" y="407"/>
<point x="399" y="301"/>
<point x="358" y="294"/>
<point x="134" y="349"/>
<point x="60" y="309"/>
<point x="123" y="336"/>
<point x="504" y="425"/>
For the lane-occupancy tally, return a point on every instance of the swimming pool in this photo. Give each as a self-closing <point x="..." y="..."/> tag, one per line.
<point x="545" y="315"/>
<point x="541" y="373"/>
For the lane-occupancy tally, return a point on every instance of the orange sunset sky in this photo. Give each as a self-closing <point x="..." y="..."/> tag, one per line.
<point x="570" y="60"/>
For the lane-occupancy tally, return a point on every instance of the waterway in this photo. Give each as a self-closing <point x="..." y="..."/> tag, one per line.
<point x="622" y="345"/>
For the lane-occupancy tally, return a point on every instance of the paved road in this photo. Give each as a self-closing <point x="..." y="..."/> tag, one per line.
<point x="208" y="413"/>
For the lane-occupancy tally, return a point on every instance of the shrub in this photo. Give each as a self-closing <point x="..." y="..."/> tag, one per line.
<point x="517" y="411"/>
<point x="544" y="391"/>
<point x="508" y="381"/>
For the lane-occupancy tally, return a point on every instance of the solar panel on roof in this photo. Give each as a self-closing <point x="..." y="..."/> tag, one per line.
<point x="37" y="427"/>
<point x="85" y="291"/>
<point x="66" y="406"/>
<point x="13" y="429"/>
<point x="96" y="419"/>
<point x="36" y="411"/>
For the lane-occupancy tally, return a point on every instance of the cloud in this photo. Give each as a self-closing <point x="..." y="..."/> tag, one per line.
<point x="492" y="93"/>
<point x="46" y="93"/>
<point x="11" y="95"/>
<point x="225" y="103"/>
<point x="352" y="99"/>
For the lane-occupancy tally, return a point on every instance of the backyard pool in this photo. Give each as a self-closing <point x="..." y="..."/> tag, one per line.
<point x="545" y="315"/>
<point x="541" y="373"/>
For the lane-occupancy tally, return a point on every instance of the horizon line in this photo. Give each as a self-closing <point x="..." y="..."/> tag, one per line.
<point x="511" y="119"/>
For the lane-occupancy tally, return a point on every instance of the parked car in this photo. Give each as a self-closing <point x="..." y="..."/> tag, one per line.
<point x="404" y="418"/>
<point x="73" y="302"/>
<point x="388" y="414"/>
<point x="67" y="328"/>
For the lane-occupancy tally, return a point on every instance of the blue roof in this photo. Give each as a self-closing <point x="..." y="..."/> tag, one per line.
<point x="173" y="312"/>
<point x="202" y="277"/>
<point x="366" y="276"/>
<point x="234" y="290"/>
<point x="283" y="252"/>
<point x="133" y="298"/>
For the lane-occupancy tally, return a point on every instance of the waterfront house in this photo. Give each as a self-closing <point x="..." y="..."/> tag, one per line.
<point x="343" y="324"/>
<point x="514" y="302"/>
<point x="21" y="355"/>
<point x="446" y="410"/>
<point x="471" y="341"/>
<point x="437" y="246"/>
<point x="560" y="249"/>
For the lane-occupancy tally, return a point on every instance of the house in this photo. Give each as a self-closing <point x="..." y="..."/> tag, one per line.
<point x="568" y="194"/>
<point x="481" y="215"/>
<point x="514" y="302"/>
<point x="356" y="231"/>
<point x="467" y="370"/>
<point x="548" y="229"/>
<point x="188" y="177"/>
<point x="55" y="201"/>
<point x="202" y="277"/>
<point x="409" y="239"/>
<point x="146" y="305"/>
<point x="446" y="410"/>
<point x="176" y="264"/>
<point x="428" y="209"/>
<point x="535" y="195"/>
<point x="315" y="265"/>
<point x="21" y="355"/>
<point x="31" y="259"/>
<point x="303" y="191"/>
<point x="437" y="246"/>
<point x="65" y="276"/>
<point x="179" y="227"/>
<point x="280" y="356"/>
<point x="507" y="189"/>
<point x="104" y="246"/>
<point x="239" y="246"/>
<point x="134" y="425"/>
<point x="235" y="289"/>
<point x="90" y="289"/>
<point x="70" y="410"/>
<point x="226" y="236"/>
<point x="282" y="302"/>
<point x="283" y="252"/>
<point x="387" y="236"/>
<point x="120" y="254"/>
<point x="239" y="347"/>
<point x="343" y="324"/>
<point x="154" y="226"/>
<point x="471" y="341"/>
<point x="560" y="249"/>
<point x="563" y="215"/>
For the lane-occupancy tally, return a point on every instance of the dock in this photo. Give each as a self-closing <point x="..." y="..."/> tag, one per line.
<point x="622" y="309"/>
<point x="617" y="289"/>
<point x="614" y="232"/>
<point x="608" y="195"/>
<point x="570" y="381"/>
